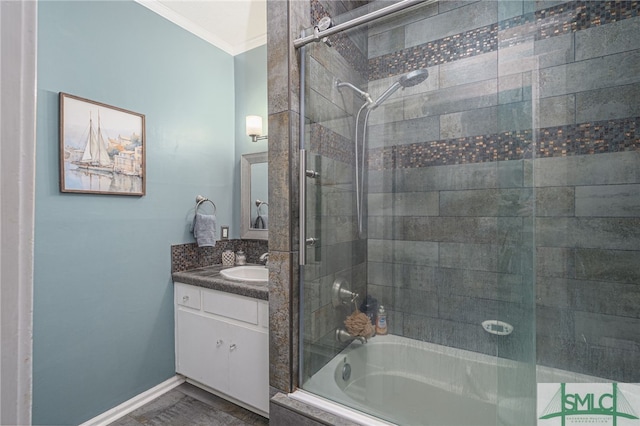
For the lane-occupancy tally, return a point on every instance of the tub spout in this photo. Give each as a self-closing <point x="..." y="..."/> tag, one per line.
<point x="343" y="336"/>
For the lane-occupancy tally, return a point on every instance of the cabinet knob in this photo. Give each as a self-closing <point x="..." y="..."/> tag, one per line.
<point x="219" y="342"/>
<point x="185" y="299"/>
<point x="232" y="347"/>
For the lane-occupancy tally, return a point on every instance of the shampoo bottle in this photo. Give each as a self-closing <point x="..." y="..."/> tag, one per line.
<point x="381" y="321"/>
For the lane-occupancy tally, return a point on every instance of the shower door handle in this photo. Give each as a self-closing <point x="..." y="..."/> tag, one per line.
<point x="302" y="207"/>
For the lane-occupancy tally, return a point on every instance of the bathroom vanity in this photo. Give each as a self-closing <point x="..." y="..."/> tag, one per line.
<point x="222" y="336"/>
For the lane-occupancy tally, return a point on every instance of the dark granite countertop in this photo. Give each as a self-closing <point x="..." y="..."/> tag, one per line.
<point x="209" y="277"/>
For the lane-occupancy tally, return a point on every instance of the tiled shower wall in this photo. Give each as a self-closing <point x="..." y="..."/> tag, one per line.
<point x="457" y="175"/>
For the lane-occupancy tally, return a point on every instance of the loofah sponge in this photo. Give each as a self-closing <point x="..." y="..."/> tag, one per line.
<point x="358" y="324"/>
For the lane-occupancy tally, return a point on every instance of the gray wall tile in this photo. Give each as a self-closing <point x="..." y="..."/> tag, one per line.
<point x="452" y="99"/>
<point x="515" y="116"/>
<point x="555" y="201"/>
<point x="389" y="111"/>
<point x="607" y="330"/>
<point x="413" y="252"/>
<point x="602" y="169"/>
<point x="608" y="265"/>
<point x="403" y="204"/>
<point x="467" y="176"/>
<point x="404" y="132"/>
<point x="482" y="257"/>
<point x="464" y="18"/>
<point x="607" y="39"/>
<point x="555" y="262"/>
<point x="518" y="58"/>
<point x="449" y="333"/>
<point x="400" y="19"/>
<point x="510" y="88"/>
<point x="608" y="200"/>
<point x="279" y="180"/>
<point x="605" y="297"/>
<point x="552" y="292"/>
<point x="557" y="111"/>
<point x="510" y="174"/>
<point x="597" y="73"/>
<point x="469" y="70"/>
<point x="597" y="233"/>
<point x="488" y="202"/>
<point x="555" y="51"/>
<point x="452" y="229"/>
<point x="469" y="123"/>
<point x="608" y="104"/>
<point x="386" y="42"/>
<point x="280" y="319"/>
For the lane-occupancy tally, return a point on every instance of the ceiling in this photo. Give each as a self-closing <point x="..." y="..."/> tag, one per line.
<point x="234" y="26"/>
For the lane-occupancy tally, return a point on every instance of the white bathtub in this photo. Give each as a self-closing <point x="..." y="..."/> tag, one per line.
<point x="409" y="382"/>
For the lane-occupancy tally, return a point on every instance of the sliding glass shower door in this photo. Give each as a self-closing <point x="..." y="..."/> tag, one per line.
<point x="424" y="129"/>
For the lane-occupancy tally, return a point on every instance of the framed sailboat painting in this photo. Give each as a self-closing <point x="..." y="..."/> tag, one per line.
<point x="102" y="148"/>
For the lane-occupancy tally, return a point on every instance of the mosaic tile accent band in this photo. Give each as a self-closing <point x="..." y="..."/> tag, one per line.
<point x="562" y="141"/>
<point x="189" y="256"/>
<point x="575" y="16"/>
<point x="330" y="144"/>
<point x="448" y="49"/>
<point x="554" y="21"/>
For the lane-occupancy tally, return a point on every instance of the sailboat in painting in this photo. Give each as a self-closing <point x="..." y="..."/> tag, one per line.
<point x="95" y="156"/>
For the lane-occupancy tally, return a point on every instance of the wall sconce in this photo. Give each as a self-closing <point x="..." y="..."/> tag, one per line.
<point x="254" y="128"/>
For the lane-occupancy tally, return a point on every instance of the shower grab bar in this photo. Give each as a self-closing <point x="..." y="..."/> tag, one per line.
<point x="319" y="35"/>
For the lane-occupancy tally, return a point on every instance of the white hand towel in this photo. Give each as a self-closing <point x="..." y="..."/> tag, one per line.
<point x="204" y="229"/>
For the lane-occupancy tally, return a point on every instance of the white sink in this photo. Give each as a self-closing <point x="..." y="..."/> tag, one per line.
<point x="254" y="274"/>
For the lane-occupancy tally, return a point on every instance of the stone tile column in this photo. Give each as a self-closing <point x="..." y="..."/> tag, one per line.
<point x="285" y="20"/>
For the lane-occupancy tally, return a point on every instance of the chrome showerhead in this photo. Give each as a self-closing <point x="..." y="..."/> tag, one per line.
<point x="413" y="78"/>
<point x="408" y="80"/>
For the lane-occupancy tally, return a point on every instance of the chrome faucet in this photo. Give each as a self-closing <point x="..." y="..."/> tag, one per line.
<point x="343" y="336"/>
<point x="264" y="258"/>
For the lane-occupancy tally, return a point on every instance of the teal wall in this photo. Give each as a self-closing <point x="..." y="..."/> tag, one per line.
<point x="103" y="315"/>
<point x="251" y="96"/>
<point x="251" y="99"/>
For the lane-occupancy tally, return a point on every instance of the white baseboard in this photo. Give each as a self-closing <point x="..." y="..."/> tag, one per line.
<point x="136" y="402"/>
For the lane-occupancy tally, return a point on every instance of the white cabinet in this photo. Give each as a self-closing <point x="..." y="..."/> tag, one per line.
<point x="222" y="342"/>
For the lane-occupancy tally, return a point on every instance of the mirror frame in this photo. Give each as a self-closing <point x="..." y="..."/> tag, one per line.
<point x="246" y="232"/>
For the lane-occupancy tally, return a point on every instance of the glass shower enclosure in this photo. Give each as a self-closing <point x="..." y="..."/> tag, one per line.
<point x="474" y="168"/>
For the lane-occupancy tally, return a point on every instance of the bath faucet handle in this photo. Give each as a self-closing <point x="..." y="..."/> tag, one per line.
<point x="354" y="300"/>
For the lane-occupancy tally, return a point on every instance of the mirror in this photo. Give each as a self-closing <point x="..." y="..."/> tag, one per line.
<point x="254" y="195"/>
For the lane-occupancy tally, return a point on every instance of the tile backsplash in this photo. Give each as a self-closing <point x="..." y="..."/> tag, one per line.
<point x="190" y="256"/>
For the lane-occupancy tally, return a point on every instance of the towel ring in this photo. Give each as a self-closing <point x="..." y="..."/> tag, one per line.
<point x="200" y="199"/>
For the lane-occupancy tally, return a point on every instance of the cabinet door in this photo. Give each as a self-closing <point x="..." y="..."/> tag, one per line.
<point x="249" y="367"/>
<point x="202" y="349"/>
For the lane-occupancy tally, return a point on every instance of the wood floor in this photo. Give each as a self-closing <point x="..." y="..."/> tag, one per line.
<point x="189" y="405"/>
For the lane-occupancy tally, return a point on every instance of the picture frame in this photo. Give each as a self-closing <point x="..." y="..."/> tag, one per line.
<point x="102" y="148"/>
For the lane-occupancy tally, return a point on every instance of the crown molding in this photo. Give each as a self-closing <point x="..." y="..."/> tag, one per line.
<point x="188" y="25"/>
